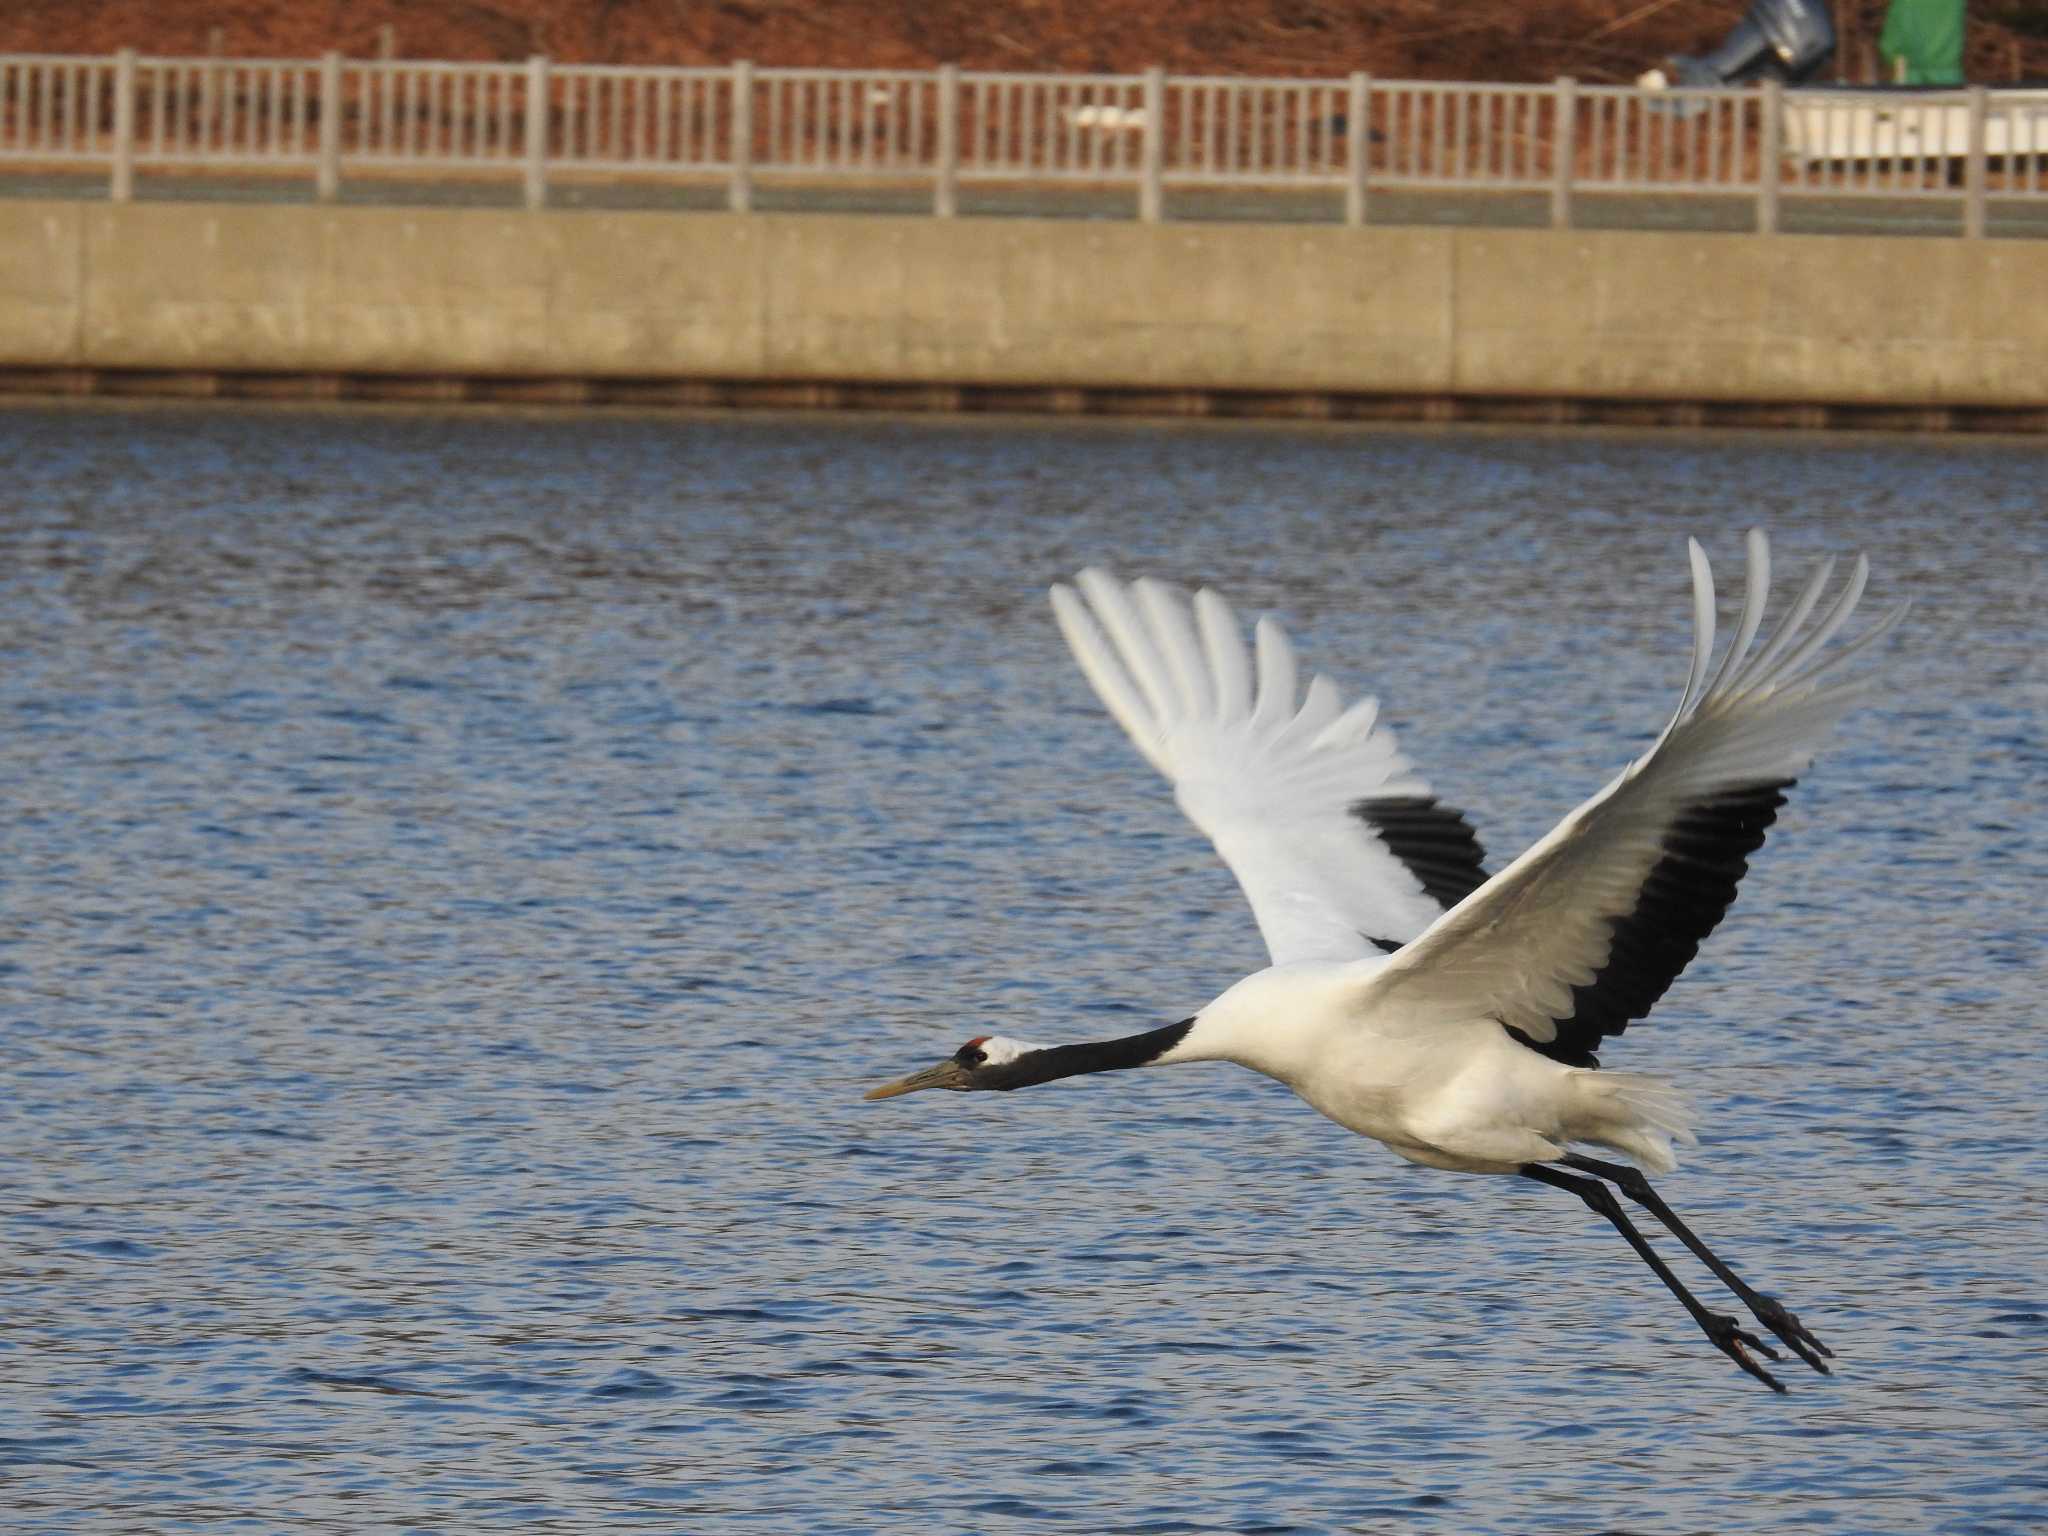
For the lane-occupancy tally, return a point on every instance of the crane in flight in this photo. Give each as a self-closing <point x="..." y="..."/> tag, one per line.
<point x="1413" y="998"/>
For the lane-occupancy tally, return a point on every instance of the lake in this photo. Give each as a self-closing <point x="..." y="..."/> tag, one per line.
<point x="463" y="868"/>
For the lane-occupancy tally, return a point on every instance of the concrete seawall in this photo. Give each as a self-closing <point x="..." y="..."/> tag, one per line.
<point x="293" y="291"/>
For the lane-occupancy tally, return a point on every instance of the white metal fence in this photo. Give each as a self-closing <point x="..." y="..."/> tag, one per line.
<point x="541" y="121"/>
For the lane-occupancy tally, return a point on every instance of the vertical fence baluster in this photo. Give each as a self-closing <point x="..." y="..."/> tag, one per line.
<point x="1770" y="104"/>
<point x="1185" y="108"/>
<point x="740" y="194"/>
<point x="203" y="128"/>
<point x="946" y="181"/>
<point x="534" y="170"/>
<point x="1357" y="149"/>
<point x="327" y="173"/>
<point x="121" y="186"/>
<point x="833" y="120"/>
<point x="1152" y="153"/>
<point x="1975" y="178"/>
<point x="1592" y="143"/>
<point x="910" y="144"/>
<point x="1564" y="138"/>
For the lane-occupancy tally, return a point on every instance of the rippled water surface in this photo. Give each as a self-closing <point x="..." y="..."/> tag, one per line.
<point x="462" y="870"/>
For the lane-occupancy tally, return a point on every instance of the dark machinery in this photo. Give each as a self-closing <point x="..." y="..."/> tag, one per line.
<point x="1783" y="39"/>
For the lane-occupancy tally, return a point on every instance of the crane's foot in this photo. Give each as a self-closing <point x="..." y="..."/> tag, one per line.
<point x="1790" y="1331"/>
<point x="1729" y="1338"/>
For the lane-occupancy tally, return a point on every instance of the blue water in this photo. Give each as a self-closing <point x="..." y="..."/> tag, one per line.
<point x="461" y="871"/>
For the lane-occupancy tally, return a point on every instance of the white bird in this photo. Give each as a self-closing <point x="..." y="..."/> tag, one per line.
<point x="1412" y="998"/>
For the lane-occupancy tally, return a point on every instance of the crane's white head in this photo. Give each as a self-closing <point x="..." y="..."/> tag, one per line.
<point x="977" y="1064"/>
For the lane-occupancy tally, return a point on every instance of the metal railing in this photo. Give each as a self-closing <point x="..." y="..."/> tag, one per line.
<point x="541" y="121"/>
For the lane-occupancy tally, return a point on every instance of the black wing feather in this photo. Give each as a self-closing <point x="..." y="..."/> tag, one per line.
<point x="1436" y="843"/>
<point x="1687" y="892"/>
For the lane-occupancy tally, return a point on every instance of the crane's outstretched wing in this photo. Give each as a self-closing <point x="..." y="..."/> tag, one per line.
<point x="1338" y="843"/>
<point x="1584" y="932"/>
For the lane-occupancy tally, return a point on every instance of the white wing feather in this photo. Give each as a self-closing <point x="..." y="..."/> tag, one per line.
<point x="1639" y="859"/>
<point x="1268" y="776"/>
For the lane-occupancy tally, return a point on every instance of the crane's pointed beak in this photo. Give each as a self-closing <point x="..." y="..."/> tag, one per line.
<point x="947" y="1074"/>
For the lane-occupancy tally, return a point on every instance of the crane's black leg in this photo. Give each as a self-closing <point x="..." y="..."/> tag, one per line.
<point x="1719" y="1328"/>
<point x="1766" y="1309"/>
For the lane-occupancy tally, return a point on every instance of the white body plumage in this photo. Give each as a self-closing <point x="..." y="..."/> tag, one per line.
<point x="1467" y="1096"/>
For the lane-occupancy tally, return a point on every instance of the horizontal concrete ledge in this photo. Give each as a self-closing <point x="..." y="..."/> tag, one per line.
<point x="1072" y="316"/>
<point x="28" y="385"/>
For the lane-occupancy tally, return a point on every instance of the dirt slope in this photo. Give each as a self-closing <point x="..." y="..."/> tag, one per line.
<point x="1596" y="40"/>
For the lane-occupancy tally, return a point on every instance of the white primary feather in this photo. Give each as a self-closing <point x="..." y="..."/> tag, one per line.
<point x="1267" y="774"/>
<point x="1515" y="948"/>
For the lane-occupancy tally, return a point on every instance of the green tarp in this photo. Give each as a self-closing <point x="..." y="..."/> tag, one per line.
<point x="1922" y="42"/>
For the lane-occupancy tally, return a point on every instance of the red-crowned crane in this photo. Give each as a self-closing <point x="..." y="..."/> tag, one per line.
<point x="1412" y="997"/>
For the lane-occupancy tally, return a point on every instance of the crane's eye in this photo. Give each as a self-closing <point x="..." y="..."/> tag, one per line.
<point x="970" y="1056"/>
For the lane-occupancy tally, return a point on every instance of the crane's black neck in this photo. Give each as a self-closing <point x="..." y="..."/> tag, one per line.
<point x="1057" y="1061"/>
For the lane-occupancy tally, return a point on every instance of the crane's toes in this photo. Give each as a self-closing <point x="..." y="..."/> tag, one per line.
<point x="1794" y="1333"/>
<point x="1736" y="1343"/>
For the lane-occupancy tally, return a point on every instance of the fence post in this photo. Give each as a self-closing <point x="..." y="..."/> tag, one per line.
<point x="1357" y="148"/>
<point x="209" y="88"/>
<point x="1152" y="153"/>
<point x="1564" y="152"/>
<point x="1770" y="157"/>
<point x="1975" y="170"/>
<point x="946" y="191"/>
<point x="538" y="109"/>
<point x="121" y="187"/>
<point x="327" y="177"/>
<point x="740" y="195"/>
